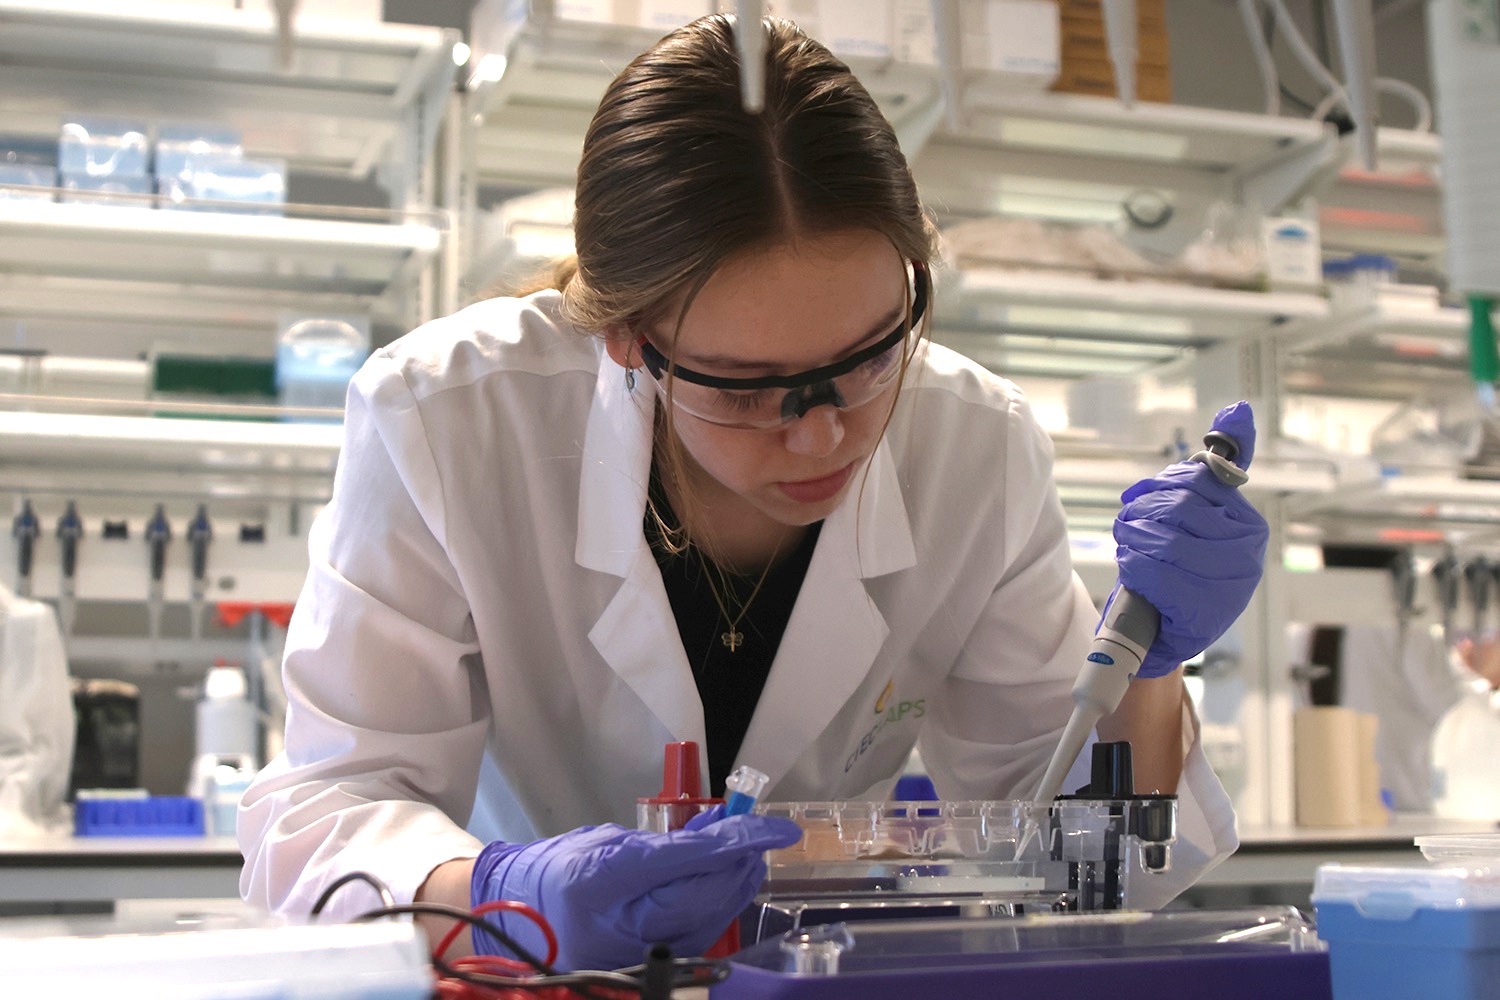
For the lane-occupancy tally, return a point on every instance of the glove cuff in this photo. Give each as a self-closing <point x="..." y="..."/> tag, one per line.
<point x="488" y="883"/>
<point x="1159" y="665"/>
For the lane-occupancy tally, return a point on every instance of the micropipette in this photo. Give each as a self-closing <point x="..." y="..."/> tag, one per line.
<point x="744" y="786"/>
<point x="69" y="531"/>
<point x="199" y="533"/>
<point x="25" y="528"/>
<point x="1125" y="634"/>
<point x="158" y="534"/>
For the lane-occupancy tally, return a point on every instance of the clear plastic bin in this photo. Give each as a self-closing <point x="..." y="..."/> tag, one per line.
<point x="1459" y="848"/>
<point x="178" y="145"/>
<point x="27" y="181"/>
<point x="227" y="184"/>
<point x="316" y="356"/>
<point x="92" y="146"/>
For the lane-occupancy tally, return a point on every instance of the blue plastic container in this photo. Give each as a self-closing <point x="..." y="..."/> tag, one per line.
<point x="1411" y="931"/>
<point x="157" y="816"/>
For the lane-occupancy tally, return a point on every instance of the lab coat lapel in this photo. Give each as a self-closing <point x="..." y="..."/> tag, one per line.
<point x="835" y="631"/>
<point x="637" y="634"/>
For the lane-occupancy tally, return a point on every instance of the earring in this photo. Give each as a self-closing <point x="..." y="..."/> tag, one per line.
<point x="629" y="369"/>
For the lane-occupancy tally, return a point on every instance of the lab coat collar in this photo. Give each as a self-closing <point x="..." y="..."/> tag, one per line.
<point x="637" y="633"/>
<point x="835" y="631"/>
<point x="616" y="471"/>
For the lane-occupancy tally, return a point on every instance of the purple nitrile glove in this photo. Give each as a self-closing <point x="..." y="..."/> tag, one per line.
<point x="611" y="892"/>
<point x="1193" y="547"/>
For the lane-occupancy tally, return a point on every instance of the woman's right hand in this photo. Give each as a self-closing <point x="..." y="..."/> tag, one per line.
<point x="611" y="892"/>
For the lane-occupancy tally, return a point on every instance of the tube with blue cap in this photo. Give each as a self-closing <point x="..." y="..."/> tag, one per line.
<point x="742" y="788"/>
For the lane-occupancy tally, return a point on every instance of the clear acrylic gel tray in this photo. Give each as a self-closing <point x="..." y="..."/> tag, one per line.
<point x="834" y="949"/>
<point x="984" y="858"/>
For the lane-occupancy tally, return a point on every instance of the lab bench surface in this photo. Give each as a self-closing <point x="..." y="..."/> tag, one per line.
<point x="94" y="872"/>
<point x="1272" y="854"/>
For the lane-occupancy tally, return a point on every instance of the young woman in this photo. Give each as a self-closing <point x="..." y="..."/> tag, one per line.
<point x="713" y="486"/>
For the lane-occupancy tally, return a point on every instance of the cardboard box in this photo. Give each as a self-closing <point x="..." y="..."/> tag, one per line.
<point x="1156" y="9"/>
<point x="1086" y="40"/>
<point x="1097" y="78"/>
<point x="1148" y="52"/>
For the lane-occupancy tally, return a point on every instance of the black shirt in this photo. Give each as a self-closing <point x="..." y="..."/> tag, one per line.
<point x="729" y="681"/>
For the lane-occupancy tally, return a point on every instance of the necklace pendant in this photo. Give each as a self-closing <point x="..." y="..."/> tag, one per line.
<point x="734" y="640"/>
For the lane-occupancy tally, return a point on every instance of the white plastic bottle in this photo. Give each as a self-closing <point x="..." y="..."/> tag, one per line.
<point x="1464" y="749"/>
<point x="228" y="745"/>
<point x="227" y="723"/>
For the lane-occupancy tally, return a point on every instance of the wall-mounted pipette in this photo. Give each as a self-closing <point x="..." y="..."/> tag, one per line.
<point x="199" y="533"/>
<point x="750" y="46"/>
<point x="25" y="529"/>
<point x="1478" y="575"/>
<point x="69" y="532"/>
<point x="1120" y="34"/>
<point x="158" y="534"/>
<point x="1448" y="576"/>
<point x="1120" y="645"/>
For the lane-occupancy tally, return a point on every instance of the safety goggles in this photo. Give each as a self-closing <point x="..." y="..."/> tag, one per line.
<point x="776" y="400"/>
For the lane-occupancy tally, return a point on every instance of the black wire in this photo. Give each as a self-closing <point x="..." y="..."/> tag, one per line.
<point x="699" y="972"/>
<point x="343" y="880"/>
<point x="473" y="920"/>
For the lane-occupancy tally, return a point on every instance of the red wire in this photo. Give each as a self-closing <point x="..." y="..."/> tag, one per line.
<point x="457" y="989"/>
<point x="494" y="964"/>
<point x="509" y="906"/>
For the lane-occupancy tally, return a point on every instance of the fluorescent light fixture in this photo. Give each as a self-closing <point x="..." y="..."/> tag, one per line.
<point x="1094" y="139"/>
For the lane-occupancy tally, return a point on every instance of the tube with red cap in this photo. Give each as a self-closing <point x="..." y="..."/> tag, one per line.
<point x="681" y="796"/>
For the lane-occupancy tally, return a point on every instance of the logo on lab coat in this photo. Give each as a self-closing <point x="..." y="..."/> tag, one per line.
<point x="889" y="712"/>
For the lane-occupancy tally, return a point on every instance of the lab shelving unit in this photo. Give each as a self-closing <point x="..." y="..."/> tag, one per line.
<point x="348" y="106"/>
<point x="351" y="98"/>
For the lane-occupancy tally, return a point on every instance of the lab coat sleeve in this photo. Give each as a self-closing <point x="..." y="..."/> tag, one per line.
<point x="1000" y="713"/>
<point x="387" y="710"/>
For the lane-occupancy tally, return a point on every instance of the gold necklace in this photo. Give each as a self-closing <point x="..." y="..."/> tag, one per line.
<point x="732" y="637"/>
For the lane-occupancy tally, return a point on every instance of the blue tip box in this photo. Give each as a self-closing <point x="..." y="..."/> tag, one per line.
<point x="1416" y="931"/>
<point x="137" y="816"/>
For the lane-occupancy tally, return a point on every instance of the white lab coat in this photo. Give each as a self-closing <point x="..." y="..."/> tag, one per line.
<point x="481" y="590"/>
